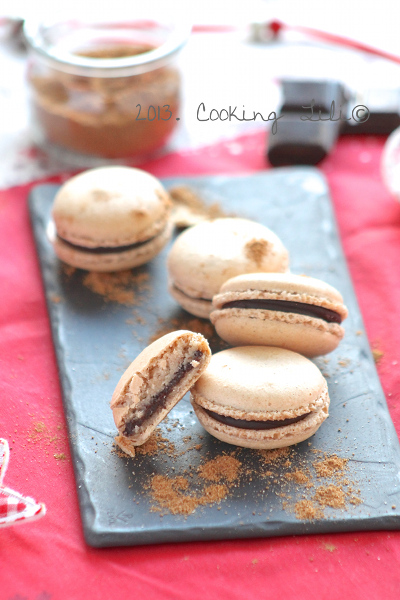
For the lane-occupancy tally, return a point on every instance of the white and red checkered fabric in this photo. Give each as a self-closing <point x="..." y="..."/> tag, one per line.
<point x="15" y="508"/>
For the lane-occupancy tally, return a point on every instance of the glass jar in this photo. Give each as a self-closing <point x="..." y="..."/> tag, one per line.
<point x="104" y="90"/>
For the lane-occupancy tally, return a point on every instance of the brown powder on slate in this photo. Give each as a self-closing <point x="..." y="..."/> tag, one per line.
<point x="222" y="467"/>
<point x="330" y="495"/>
<point x="156" y="443"/>
<point x="297" y="477"/>
<point x="169" y="493"/>
<point x="355" y="500"/>
<point x="305" y="510"/>
<point x="256" y="250"/>
<point x="176" y="495"/>
<point x="196" y="325"/>
<point x="68" y="270"/>
<point x="116" y="287"/>
<point x="330" y="465"/>
<point x="271" y="456"/>
<point x="55" y="298"/>
<point x="189" y="208"/>
<point x="149" y="447"/>
<point x="214" y="493"/>
<point x="344" y="362"/>
<point x="185" y="491"/>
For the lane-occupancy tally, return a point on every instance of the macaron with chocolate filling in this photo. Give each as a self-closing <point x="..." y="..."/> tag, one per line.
<point x="204" y="256"/>
<point x="110" y="219"/>
<point x="261" y="397"/>
<point x="295" y="312"/>
<point x="154" y="382"/>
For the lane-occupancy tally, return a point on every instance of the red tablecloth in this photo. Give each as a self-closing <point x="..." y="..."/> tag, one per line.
<point x="49" y="559"/>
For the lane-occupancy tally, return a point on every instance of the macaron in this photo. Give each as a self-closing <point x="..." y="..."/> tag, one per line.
<point x="295" y="312"/>
<point x="204" y="256"/>
<point x="261" y="397"/>
<point x="110" y="219"/>
<point x="155" y="381"/>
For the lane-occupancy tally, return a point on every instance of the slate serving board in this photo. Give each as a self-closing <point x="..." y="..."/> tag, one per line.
<point x="95" y="340"/>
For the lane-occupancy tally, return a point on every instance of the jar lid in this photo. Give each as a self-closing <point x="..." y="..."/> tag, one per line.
<point x="61" y="44"/>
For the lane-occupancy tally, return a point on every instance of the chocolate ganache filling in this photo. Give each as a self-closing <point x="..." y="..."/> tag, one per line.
<point x="106" y="249"/>
<point x="158" y="400"/>
<point x="287" y="306"/>
<point x="253" y="424"/>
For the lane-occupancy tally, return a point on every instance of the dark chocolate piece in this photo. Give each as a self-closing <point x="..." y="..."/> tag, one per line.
<point x="298" y="142"/>
<point x="242" y="424"/>
<point x="158" y="400"/>
<point x="298" y="95"/>
<point x="312" y="114"/>
<point x="287" y="306"/>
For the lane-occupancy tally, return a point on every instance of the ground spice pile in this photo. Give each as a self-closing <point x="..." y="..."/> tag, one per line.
<point x="305" y="510"/>
<point x="118" y="287"/>
<point x="330" y="465"/>
<point x="189" y="208"/>
<point x="337" y="492"/>
<point x="222" y="467"/>
<point x="330" y="495"/>
<point x="178" y="496"/>
<point x="156" y="443"/>
<point x="307" y="488"/>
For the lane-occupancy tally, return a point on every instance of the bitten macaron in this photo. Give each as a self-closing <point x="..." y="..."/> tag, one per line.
<point x="261" y="397"/>
<point x="204" y="256"/>
<point x="110" y="219"/>
<point x="295" y="312"/>
<point x="154" y="382"/>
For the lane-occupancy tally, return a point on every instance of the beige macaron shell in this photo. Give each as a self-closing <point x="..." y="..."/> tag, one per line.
<point x="111" y="261"/>
<point x="264" y="439"/>
<point x="277" y="286"/>
<point x="148" y="372"/>
<point x="260" y="383"/>
<point x="194" y="306"/>
<point x="111" y="206"/>
<point x="254" y="382"/>
<point x="304" y="334"/>
<point x="206" y="255"/>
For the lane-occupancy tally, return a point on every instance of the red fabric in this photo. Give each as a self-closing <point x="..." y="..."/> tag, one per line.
<point x="13" y="506"/>
<point x="49" y="559"/>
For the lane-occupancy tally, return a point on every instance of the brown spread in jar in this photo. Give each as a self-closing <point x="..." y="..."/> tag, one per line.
<point x="110" y="117"/>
